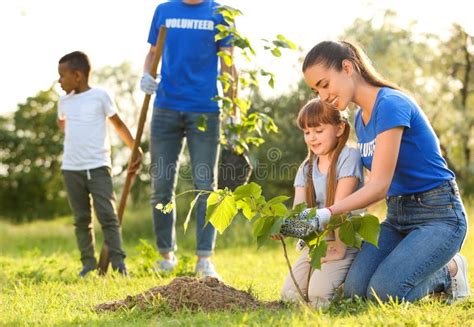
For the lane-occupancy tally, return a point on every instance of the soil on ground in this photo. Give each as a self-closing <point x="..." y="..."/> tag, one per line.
<point x="206" y="294"/>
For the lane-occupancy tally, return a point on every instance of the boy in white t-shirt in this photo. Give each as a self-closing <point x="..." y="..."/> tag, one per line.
<point x="82" y="116"/>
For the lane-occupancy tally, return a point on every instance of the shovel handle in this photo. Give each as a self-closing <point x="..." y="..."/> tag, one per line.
<point x="104" y="259"/>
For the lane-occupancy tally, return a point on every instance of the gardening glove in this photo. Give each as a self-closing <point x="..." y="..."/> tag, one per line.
<point x="300" y="245"/>
<point x="148" y="84"/>
<point x="302" y="225"/>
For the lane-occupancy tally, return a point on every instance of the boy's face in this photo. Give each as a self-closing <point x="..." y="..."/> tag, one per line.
<point x="68" y="79"/>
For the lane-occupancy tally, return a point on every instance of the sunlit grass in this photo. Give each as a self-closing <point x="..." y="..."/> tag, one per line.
<point x="39" y="263"/>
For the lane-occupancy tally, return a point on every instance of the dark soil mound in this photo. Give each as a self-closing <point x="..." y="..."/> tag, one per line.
<point x="207" y="294"/>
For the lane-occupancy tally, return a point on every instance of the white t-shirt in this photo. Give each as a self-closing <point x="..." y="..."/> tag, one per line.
<point x="86" y="141"/>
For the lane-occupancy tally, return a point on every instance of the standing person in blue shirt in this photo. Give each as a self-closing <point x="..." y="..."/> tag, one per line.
<point x="426" y="221"/>
<point x="189" y="72"/>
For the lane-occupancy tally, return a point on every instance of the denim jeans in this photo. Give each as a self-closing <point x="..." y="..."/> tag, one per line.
<point x="420" y="235"/>
<point x="169" y="128"/>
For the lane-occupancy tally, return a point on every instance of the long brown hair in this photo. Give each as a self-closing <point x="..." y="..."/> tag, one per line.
<point x="313" y="114"/>
<point x="331" y="54"/>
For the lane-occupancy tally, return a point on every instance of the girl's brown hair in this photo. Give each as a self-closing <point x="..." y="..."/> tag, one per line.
<point x="313" y="114"/>
<point x="331" y="54"/>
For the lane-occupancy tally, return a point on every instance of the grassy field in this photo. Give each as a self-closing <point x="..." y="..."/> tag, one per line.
<point x="39" y="263"/>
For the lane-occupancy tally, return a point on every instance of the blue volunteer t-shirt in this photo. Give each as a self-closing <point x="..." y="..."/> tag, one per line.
<point x="189" y="66"/>
<point x="420" y="165"/>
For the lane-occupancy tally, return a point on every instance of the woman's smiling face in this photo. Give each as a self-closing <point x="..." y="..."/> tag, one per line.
<point x="335" y="88"/>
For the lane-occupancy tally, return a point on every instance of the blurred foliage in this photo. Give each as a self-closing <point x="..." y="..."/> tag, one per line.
<point x="437" y="71"/>
<point x="30" y="176"/>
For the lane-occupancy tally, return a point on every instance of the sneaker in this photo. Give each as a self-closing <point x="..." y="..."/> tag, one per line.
<point x="459" y="282"/>
<point x="205" y="268"/>
<point x="166" y="264"/>
<point x="85" y="270"/>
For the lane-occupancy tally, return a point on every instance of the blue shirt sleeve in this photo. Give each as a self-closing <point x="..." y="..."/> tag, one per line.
<point x="349" y="164"/>
<point x="154" y="27"/>
<point x="393" y="111"/>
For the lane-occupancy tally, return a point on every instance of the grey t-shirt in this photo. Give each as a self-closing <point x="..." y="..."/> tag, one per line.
<point x="349" y="164"/>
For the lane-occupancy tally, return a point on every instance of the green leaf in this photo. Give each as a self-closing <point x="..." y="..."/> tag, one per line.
<point x="271" y="226"/>
<point x="276" y="227"/>
<point x="276" y="52"/>
<point x="288" y="43"/>
<point x="264" y="230"/>
<point x="257" y="226"/>
<point x="358" y="241"/>
<point x="229" y="20"/>
<point x="246" y="206"/>
<point x="316" y="253"/>
<point x="336" y="221"/>
<point x="243" y="104"/>
<point x="221" y="28"/>
<point x="221" y="210"/>
<point x="221" y="36"/>
<point x="277" y="199"/>
<point x="226" y="57"/>
<point x="261" y="240"/>
<point x="248" y="190"/>
<point x="299" y="207"/>
<point x="278" y="209"/>
<point x="201" y="123"/>
<point x="188" y="216"/>
<point x="257" y="141"/>
<point x="370" y="229"/>
<point x="165" y="208"/>
<point x="315" y="238"/>
<point x="347" y="233"/>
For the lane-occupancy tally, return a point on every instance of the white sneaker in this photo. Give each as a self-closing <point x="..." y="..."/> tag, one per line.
<point x="459" y="282"/>
<point x="205" y="268"/>
<point x="166" y="264"/>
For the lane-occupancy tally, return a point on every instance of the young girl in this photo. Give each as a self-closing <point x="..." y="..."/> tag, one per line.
<point x="426" y="221"/>
<point x="331" y="172"/>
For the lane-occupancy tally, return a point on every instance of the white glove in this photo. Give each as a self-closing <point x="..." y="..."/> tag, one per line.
<point x="302" y="225"/>
<point x="316" y="222"/>
<point x="323" y="215"/>
<point x="148" y="84"/>
<point x="300" y="245"/>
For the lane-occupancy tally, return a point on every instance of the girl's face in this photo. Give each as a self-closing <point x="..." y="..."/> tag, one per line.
<point x="335" y="88"/>
<point x="322" y="140"/>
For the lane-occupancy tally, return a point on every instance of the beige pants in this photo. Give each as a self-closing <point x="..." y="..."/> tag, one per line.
<point x="322" y="283"/>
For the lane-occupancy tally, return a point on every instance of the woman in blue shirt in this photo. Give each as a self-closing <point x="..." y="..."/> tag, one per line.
<point x="426" y="222"/>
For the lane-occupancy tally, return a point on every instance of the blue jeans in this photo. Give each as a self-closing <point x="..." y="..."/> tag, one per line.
<point x="168" y="130"/>
<point x="420" y="235"/>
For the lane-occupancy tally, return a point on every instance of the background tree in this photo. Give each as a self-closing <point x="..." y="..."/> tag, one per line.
<point x="436" y="71"/>
<point x="456" y="79"/>
<point x="30" y="177"/>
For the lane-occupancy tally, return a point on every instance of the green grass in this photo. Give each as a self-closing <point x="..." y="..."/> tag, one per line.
<point x="38" y="284"/>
